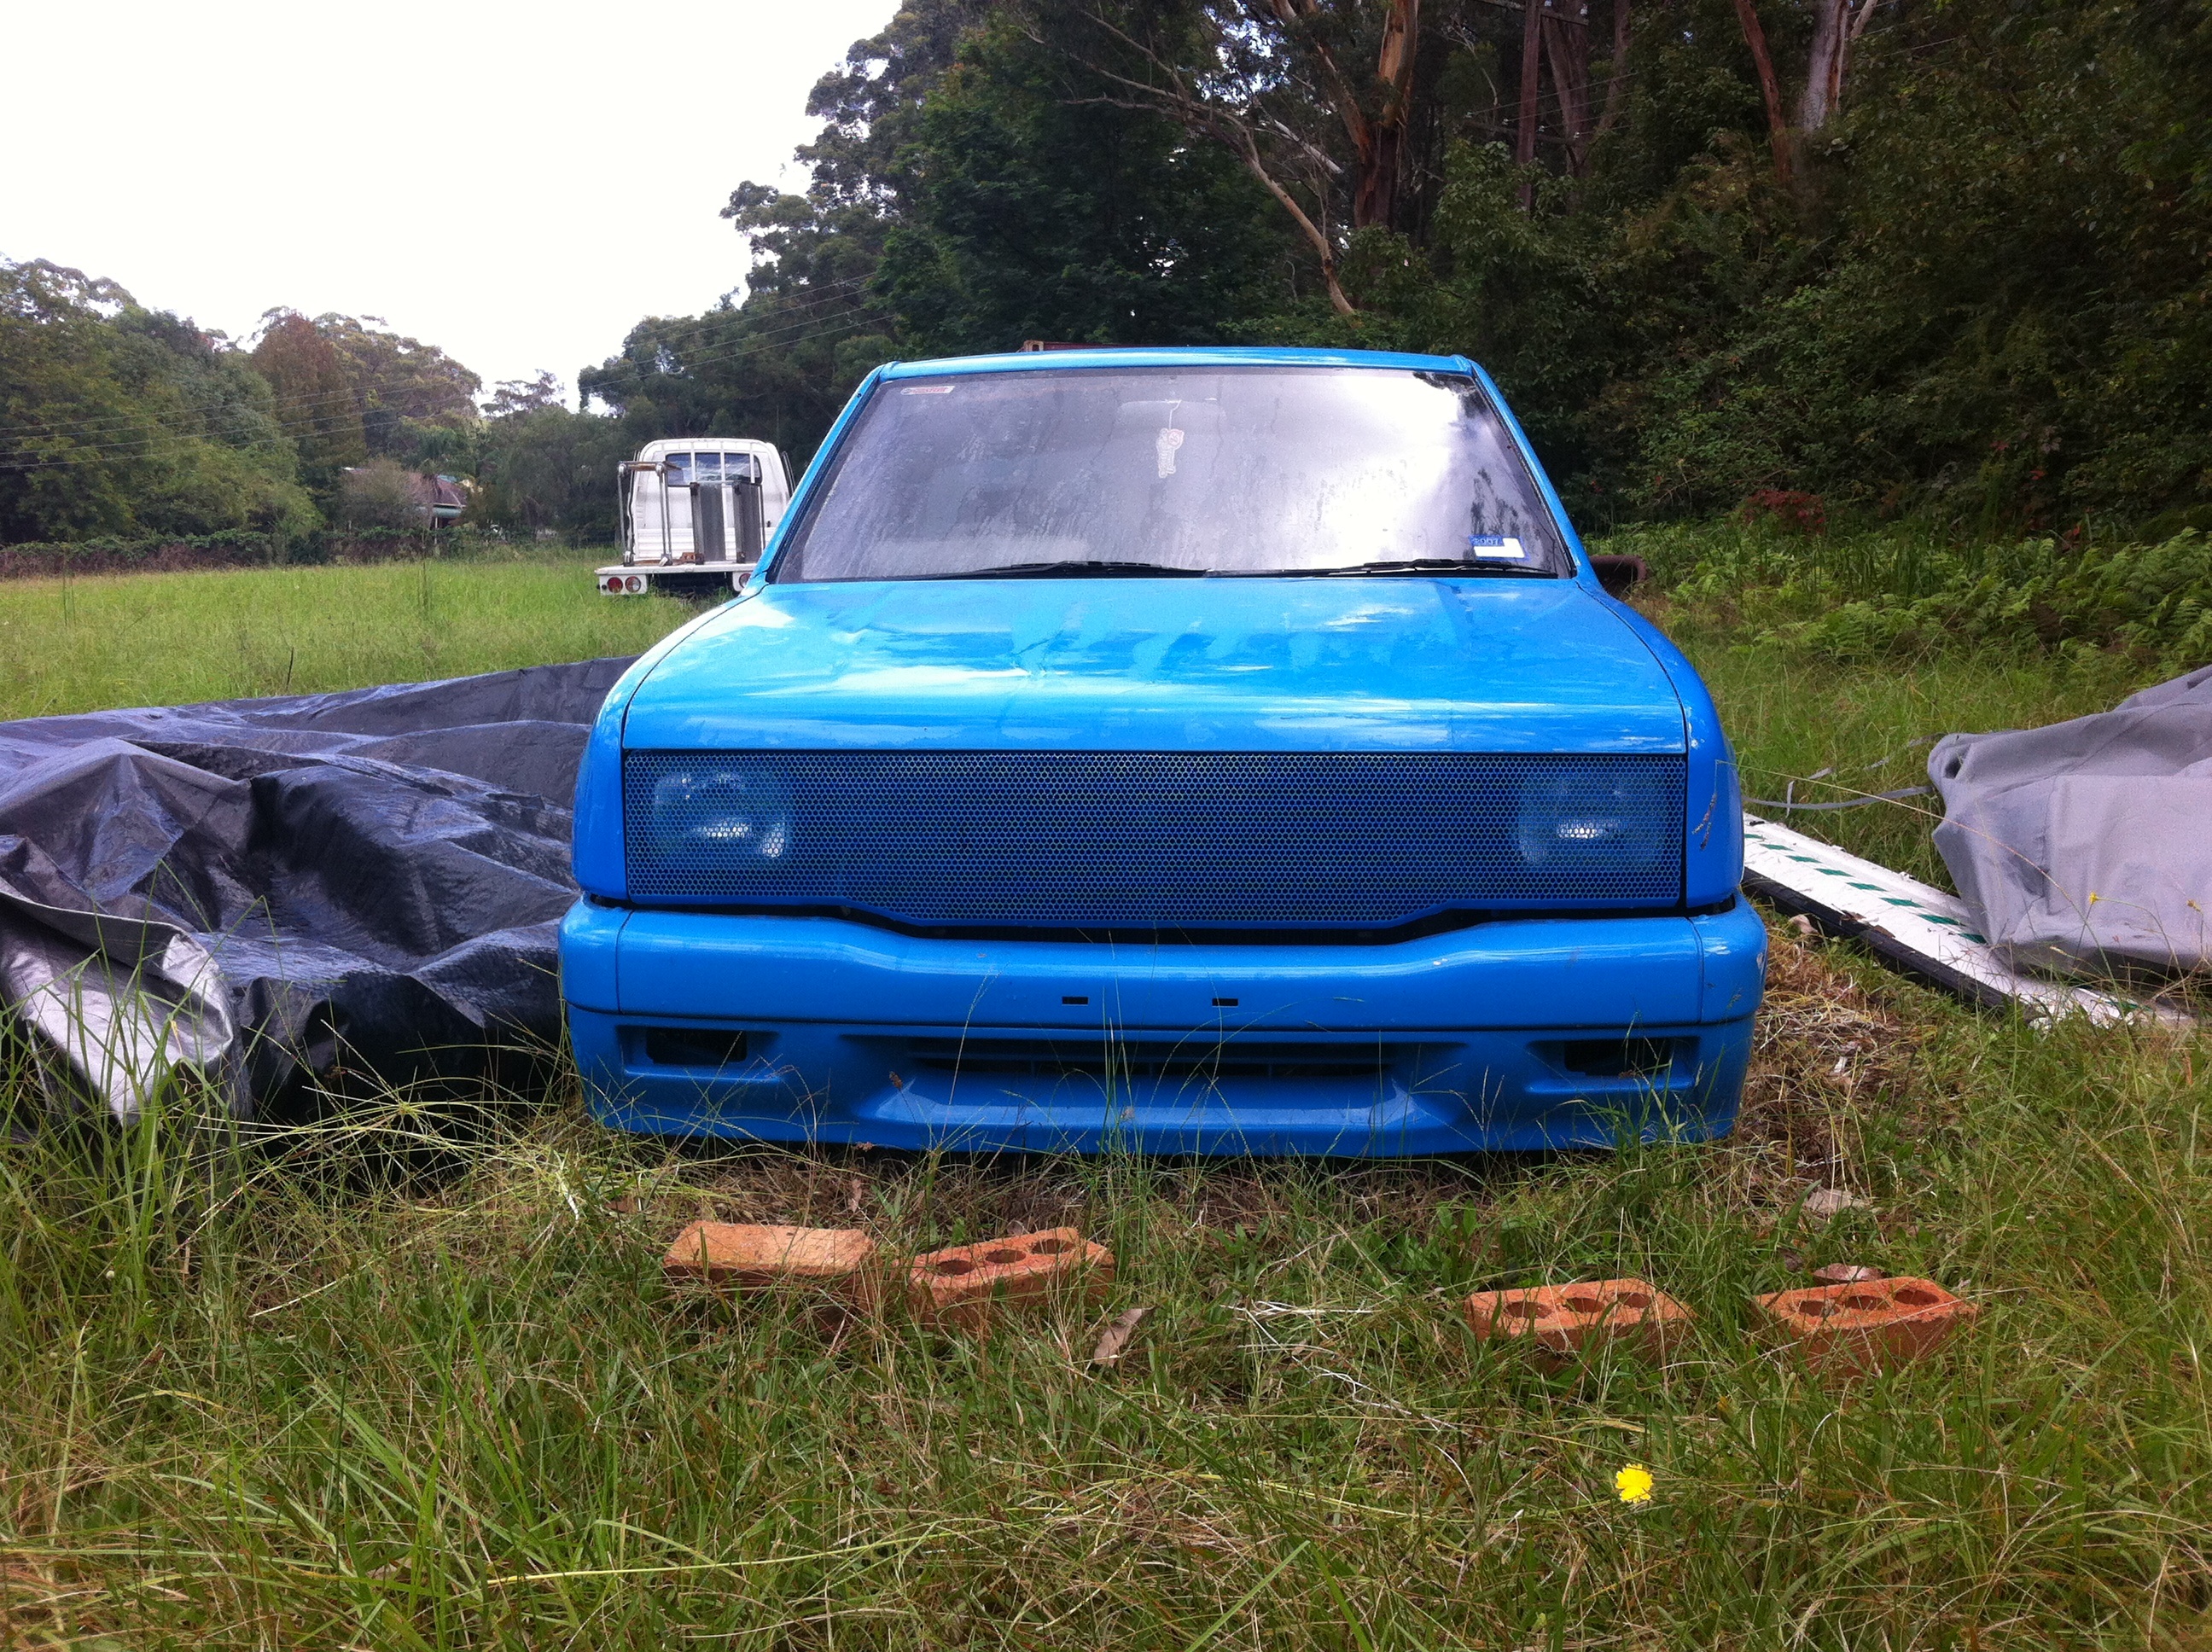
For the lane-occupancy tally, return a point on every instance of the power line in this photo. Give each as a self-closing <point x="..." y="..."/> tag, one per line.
<point x="103" y="454"/>
<point x="824" y="293"/>
<point x="283" y="404"/>
<point x="99" y="453"/>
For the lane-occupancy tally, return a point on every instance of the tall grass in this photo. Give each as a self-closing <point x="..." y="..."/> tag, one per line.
<point x="159" y="639"/>
<point x="254" y="1400"/>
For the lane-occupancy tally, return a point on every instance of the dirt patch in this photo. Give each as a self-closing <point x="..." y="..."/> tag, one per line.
<point x="1825" y="1048"/>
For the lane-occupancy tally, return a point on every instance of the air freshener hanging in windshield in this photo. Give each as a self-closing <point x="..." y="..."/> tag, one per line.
<point x="1170" y="439"/>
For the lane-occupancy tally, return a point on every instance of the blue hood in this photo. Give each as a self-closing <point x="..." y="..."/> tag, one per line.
<point x="1329" y="664"/>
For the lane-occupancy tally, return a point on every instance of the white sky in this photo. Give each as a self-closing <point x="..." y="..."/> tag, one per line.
<point x="517" y="183"/>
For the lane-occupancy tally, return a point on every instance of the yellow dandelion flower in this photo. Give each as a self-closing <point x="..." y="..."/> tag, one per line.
<point x="1634" y="1484"/>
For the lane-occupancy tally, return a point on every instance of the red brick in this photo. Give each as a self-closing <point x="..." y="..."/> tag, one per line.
<point x="968" y="1285"/>
<point x="1563" y="1318"/>
<point x="1867" y="1325"/>
<point x="841" y="1261"/>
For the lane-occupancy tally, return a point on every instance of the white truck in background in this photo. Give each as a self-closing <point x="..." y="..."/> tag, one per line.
<point x="696" y="512"/>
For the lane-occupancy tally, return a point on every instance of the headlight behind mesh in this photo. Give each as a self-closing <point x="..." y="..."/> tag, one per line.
<point x="722" y="813"/>
<point x="1602" y="814"/>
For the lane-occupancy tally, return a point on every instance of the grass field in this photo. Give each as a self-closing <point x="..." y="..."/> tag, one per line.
<point x="163" y="639"/>
<point x="263" y="1399"/>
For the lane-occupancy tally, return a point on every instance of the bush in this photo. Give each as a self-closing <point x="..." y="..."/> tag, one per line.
<point x="381" y="494"/>
<point x="1891" y="593"/>
<point x="2152" y="599"/>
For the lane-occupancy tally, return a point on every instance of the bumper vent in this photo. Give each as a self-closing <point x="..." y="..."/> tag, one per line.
<point x="1153" y="841"/>
<point x="1150" y="1061"/>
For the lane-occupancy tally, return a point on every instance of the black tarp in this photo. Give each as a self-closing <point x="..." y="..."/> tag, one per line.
<point x="293" y="894"/>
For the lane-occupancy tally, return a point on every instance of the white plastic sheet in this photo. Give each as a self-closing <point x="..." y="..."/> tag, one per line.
<point x="2087" y="846"/>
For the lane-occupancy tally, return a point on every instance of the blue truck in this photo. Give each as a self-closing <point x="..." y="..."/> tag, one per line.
<point x="1209" y="751"/>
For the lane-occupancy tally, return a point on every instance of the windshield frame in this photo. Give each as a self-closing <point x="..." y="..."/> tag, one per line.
<point x="1567" y="552"/>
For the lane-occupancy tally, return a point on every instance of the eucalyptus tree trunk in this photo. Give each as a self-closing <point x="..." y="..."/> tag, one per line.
<point x="1778" y="128"/>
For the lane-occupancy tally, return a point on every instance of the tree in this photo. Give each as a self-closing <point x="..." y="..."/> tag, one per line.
<point x="65" y="411"/>
<point x="382" y="494"/>
<point x="513" y="398"/>
<point x="1280" y="84"/>
<point x="549" y="467"/>
<point x="1033" y="207"/>
<point x="1836" y="26"/>
<point x="316" y="401"/>
<point x="1770" y="88"/>
<point x="118" y="419"/>
<point x="403" y="385"/>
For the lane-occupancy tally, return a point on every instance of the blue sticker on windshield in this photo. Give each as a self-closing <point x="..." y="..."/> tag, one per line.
<point x="1490" y="545"/>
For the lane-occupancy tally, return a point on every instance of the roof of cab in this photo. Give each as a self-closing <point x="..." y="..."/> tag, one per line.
<point x="1211" y="355"/>
<point x="663" y="445"/>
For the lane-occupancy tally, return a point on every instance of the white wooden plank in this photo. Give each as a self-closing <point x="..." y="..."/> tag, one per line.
<point x="1921" y="930"/>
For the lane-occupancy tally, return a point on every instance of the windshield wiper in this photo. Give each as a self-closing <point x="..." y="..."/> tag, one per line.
<point x="1075" y="570"/>
<point x="1486" y="566"/>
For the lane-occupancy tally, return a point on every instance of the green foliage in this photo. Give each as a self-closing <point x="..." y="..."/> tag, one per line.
<point x="512" y="398"/>
<point x="115" y="419"/>
<point x="1885" y="593"/>
<point x="109" y="553"/>
<point x="2153" y="600"/>
<point x="1985" y="301"/>
<point x="1034" y="206"/>
<point x="1980" y="299"/>
<point x="410" y="394"/>
<point x="549" y="467"/>
<point x="315" y="400"/>
<point x="346" y="392"/>
<point x="971" y="188"/>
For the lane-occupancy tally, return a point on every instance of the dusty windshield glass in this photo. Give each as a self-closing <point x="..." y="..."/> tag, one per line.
<point x="1260" y="470"/>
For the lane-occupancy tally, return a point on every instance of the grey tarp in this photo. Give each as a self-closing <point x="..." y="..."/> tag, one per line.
<point x="2087" y="845"/>
<point x="276" y="891"/>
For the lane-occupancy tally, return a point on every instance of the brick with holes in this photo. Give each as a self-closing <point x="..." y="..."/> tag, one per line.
<point x="1866" y="1325"/>
<point x="841" y="1262"/>
<point x="1560" y="1320"/>
<point x="968" y="1286"/>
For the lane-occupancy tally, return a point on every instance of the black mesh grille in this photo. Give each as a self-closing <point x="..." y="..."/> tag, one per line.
<point x="1089" y="839"/>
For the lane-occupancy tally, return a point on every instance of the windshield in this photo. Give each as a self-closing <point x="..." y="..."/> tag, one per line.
<point x="1243" y="470"/>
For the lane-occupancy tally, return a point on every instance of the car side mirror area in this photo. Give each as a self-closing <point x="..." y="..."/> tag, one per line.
<point x="1621" y="575"/>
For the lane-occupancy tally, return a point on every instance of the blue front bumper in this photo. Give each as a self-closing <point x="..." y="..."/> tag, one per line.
<point x="1520" y="1034"/>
